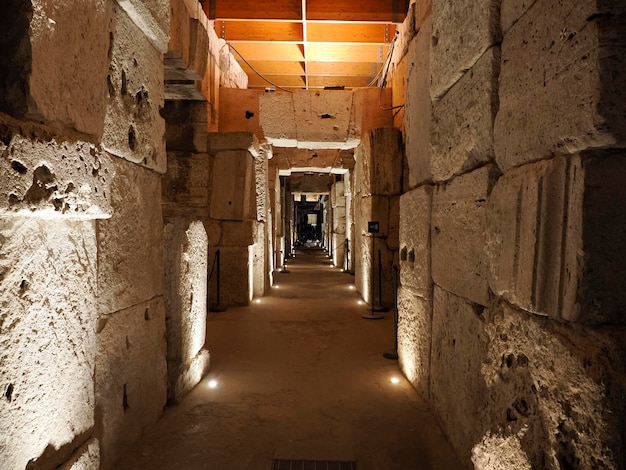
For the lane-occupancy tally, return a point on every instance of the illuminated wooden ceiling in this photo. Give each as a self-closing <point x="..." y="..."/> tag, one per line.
<point x="308" y="44"/>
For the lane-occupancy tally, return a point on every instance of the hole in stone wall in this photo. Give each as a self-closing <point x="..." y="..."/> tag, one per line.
<point x="9" y="393"/>
<point x="249" y="114"/>
<point x="127" y="343"/>
<point x="23" y="286"/>
<point x="478" y="309"/>
<point x="111" y="40"/>
<point x="132" y="138"/>
<point x="146" y="314"/>
<point x="19" y="167"/>
<point x="13" y="199"/>
<point x="110" y="86"/>
<point x="124" y="83"/>
<point x="125" y="398"/>
<point x="326" y="116"/>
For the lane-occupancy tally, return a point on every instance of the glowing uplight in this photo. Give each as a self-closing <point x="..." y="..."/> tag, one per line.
<point x="276" y="287"/>
<point x="360" y="302"/>
<point x="351" y="287"/>
<point x="212" y="383"/>
<point x="258" y="301"/>
<point x="394" y="380"/>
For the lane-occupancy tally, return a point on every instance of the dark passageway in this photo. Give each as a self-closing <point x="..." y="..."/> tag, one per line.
<point x="300" y="375"/>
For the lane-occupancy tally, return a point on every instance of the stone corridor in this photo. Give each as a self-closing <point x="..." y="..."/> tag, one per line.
<point x="300" y="375"/>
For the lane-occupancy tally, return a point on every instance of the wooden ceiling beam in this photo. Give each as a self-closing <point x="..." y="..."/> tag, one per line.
<point x="351" y="32"/>
<point x="391" y="11"/>
<point x="255" y="9"/>
<point x="262" y="31"/>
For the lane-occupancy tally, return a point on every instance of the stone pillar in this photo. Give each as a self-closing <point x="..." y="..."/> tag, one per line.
<point x="338" y="225"/>
<point x="378" y="183"/>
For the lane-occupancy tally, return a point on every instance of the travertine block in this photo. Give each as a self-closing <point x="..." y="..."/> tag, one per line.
<point x="551" y="388"/>
<point x="187" y="126"/>
<point x="231" y="185"/>
<point x="186" y="183"/>
<point x="462" y="121"/>
<point x="375" y="209"/>
<point x="239" y="111"/>
<point x="134" y="129"/>
<point x="237" y="233"/>
<point x="367" y="114"/>
<point x="561" y="81"/>
<point x="556" y="231"/>
<point x="277" y="118"/>
<point x="323" y="117"/>
<point x="236" y="287"/>
<point x="338" y="195"/>
<point x="379" y="162"/>
<point x="261" y="187"/>
<point x="47" y="339"/>
<point x="130" y="253"/>
<point x="50" y="179"/>
<point x="131" y="375"/>
<point x="462" y="31"/>
<point x="511" y="11"/>
<point x="186" y="264"/>
<point x="86" y="457"/>
<point x="53" y="65"/>
<point x="153" y="18"/>
<point x="234" y="141"/>
<point x="459" y="257"/>
<point x="414" y="337"/>
<point x="458" y="394"/>
<point x="415" y="218"/>
<point x="418" y="109"/>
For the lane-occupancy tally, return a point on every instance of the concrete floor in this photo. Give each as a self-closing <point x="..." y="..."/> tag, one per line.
<point x="300" y="376"/>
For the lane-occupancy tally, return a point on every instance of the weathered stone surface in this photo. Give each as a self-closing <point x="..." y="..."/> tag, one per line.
<point x="152" y="18"/>
<point x="236" y="280"/>
<point x="511" y="11"/>
<point x="186" y="263"/>
<point x="130" y="244"/>
<point x="277" y="119"/>
<point x="552" y="389"/>
<point x="414" y="336"/>
<point x="239" y="111"/>
<point x="458" y="394"/>
<point x="367" y="114"/>
<point x="134" y="129"/>
<point x="231" y="73"/>
<point x="187" y="126"/>
<point x="258" y="252"/>
<point x="131" y="376"/>
<point x="87" y="457"/>
<point x="231" y="184"/>
<point x="185" y="186"/>
<point x="556" y="231"/>
<point x="462" y="32"/>
<point x="53" y="63"/>
<point x="459" y="257"/>
<point x="415" y="214"/>
<point x="418" y="109"/>
<point x="46" y="178"/>
<point x="48" y="339"/>
<point x="555" y="48"/>
<point x="323" y="116"/>
<point x="234" y="141"/>
<point x="462" y="121"/>
<point x="379" y="163"/>
<point x="261" y="187"/>
<point x="240" y="233"/>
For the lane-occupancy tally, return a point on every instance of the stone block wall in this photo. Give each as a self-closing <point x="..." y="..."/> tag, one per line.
<point x="83" y="368"/>
<point x="511" y="236"/>
<point x="378" y="184"/>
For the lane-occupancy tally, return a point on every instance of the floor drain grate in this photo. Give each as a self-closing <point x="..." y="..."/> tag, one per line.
<point x="312" y="465"/>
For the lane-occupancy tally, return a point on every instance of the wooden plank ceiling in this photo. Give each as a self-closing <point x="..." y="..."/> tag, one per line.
<point x="308" y="44"/>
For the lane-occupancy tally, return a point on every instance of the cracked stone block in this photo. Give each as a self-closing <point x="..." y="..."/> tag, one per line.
<point x="561" y="83"/>
<point x="130" y="243"/>
<point x="462" y="31"/>
<point x="55" y="179"/>
<point x="459" y="349"/>
<point x="53" y="63"/>
<point x="131" y="376"/>
<point x="462" y="120"/>
<point x="277" y="119"/>
<point x="47" y="337"/>
<point x="418" y="109"/>
<point x="134" y="128"/>
<point x="415" y="249"/>
<point x="414" y="336"/>
<point x="231" y="185"/>
<point x="555" y="237"/>
<point x="186" y="248"/>
<point x="379" y="164"/>
<point x="459" y="249"/>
